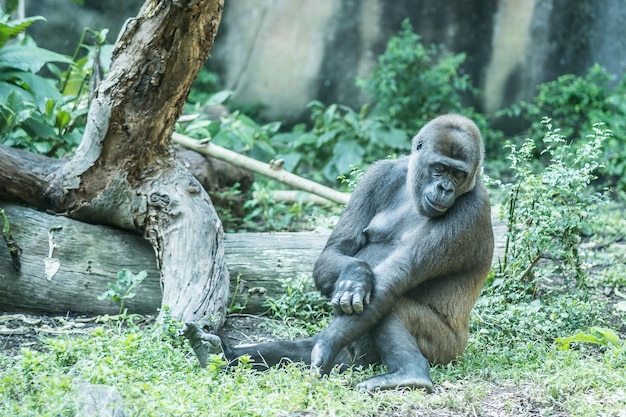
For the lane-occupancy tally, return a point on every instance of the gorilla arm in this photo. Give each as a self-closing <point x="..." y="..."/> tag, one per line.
<point x="337" y="273"/>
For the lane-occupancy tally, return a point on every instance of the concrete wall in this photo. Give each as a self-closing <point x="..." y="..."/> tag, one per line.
<point x="286" y="53"/>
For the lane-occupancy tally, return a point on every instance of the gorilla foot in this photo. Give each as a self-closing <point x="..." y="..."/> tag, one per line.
<point x="399" y="379"/>
<point x="202" y="342"/>
<point x="322" y="357"/>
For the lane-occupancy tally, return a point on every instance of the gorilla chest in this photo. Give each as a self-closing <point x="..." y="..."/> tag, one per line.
<point x="394" y="226"/>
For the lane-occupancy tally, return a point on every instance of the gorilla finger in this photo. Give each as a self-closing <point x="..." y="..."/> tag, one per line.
<point x="336" y="298"/>
<point x="346" y="303"/>
<point x="357" y="304"/>
<point x="368" y="296"/>
<point x="335" y="302"/>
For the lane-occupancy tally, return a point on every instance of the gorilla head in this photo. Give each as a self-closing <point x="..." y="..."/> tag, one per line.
<point x="446" y="155"/>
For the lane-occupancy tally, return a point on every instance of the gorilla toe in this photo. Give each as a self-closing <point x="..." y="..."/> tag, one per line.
<point x="397" y="380"/>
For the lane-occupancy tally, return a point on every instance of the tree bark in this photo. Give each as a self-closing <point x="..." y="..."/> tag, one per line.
<point x="125" y="172"/>
<point x="91" y="255"/>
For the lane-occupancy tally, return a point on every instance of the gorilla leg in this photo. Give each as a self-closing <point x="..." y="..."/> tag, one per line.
<point x="410" y="337"/>
<point x="397" y="347"/>
<point x="265" y="355"/>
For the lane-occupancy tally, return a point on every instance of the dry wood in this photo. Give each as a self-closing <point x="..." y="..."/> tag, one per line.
<point x="90" y="256"/>
<point x="262" y="168"/>
<point x="124" y="173"/>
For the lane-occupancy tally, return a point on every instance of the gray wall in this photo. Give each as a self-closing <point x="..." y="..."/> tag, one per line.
<point x="285" y="53"/>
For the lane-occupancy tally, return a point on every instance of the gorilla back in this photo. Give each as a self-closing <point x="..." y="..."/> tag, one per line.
<point x="404" y="265"/>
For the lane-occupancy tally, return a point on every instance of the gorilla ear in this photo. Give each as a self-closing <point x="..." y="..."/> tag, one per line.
<point x="418" y="145"/>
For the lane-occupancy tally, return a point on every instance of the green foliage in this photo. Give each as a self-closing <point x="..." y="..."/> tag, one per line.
<point x="547" y="212"/>
<point x="204" y="87"/>
<point x="514" y="310"/>
<point x="235" y="131"/>
<point x="264" y="213"/>
<point x="37" y="113"/>
<point x="339" y="139"/>
<point x="577" y="103"/>
<point x="599" y="336"/>
<point x="10" y="29"/>
<point x="352" y="179"/>
<point x="123" y="288"/>
<point x="413" y="84"/>
<point x="302" y="302"/>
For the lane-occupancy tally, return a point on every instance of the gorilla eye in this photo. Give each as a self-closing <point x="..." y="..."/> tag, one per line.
<point x="459" y="176"/>
<point x="438" y="169"/>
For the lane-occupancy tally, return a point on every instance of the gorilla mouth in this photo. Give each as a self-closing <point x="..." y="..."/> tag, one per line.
<point x="437" y="207"/>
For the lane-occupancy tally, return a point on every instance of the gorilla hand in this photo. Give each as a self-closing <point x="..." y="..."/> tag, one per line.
<point x="353" y="289"/>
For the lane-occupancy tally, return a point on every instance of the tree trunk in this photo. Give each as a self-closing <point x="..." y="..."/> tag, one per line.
<point x="91" y="255"/>
<point x="125" y="172"/>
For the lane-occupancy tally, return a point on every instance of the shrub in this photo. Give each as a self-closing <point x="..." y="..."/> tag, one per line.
<point x="41" y="114"/>
<point x="548" y="209"/>
<point x="413" y="84"/>
<point x="577" y="103"/>
<point x="339" y="140"/>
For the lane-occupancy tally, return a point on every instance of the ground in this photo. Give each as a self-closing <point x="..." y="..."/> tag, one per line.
<point x="18" y="330"/>
<point x="24" y="330"/>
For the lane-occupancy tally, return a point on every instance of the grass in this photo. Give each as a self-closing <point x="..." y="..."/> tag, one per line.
<point x="158" y="376"/>
<point x="520" y="373"/>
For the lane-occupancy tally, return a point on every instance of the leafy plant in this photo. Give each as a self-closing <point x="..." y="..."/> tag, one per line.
<point x="38" y="113"/>
<point x="204" y="87"/>
<point x="600" y="336"/>
<point x="340" y="138"/>
<point x="547" y="211"/>
<point x="123" y="288"/>
<point x="235" y="131"/>
<point x="576" y="103"/>
<point x="413" y="84"/>
<point x="302" y="302"/>
<point x="264" y="213"/>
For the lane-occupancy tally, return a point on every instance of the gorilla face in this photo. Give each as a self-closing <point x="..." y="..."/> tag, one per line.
<point x="441" y="191"/>
<point x="443" y="165"/>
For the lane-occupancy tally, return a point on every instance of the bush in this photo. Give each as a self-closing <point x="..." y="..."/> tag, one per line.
<point x="413" y="84"/>
<point x="37" y="113"/>
<point x="548" y="210"/>
<point x="576" y="103"/>
<point x="339" y="140"/>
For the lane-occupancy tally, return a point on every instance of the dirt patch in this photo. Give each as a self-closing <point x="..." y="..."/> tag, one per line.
<point x="20" y="330"/>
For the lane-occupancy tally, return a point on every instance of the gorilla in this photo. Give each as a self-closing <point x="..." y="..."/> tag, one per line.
<point x="403" y="266"/>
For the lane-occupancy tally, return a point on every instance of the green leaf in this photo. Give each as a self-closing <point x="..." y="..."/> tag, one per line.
<point x="29" y="58"/>
<point x="219" y="98"/>
<point x="327" y="137"/>
<point x="41" y="88"/>
<point x="37" y="128"/>
<point x="13" y="28"/>
<point x="393" y="138"/>
<point x="346" y="154"/>
<point x="63" y="119"/>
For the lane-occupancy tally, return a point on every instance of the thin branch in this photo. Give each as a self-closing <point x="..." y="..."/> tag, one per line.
<point x="262" y="168"/>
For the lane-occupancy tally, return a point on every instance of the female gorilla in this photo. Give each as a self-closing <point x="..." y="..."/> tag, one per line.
<point x="403" y="266"/>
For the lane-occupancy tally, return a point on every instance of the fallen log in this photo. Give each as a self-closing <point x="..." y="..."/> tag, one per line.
<point x="89" y="257"/>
